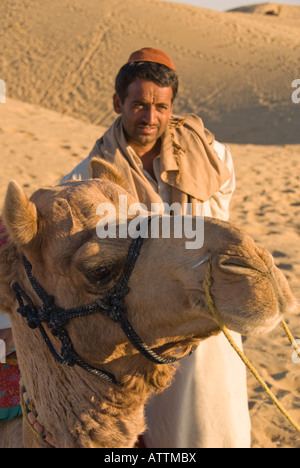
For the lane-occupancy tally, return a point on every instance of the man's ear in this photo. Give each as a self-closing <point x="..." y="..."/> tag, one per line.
<point x="117" y="103"/>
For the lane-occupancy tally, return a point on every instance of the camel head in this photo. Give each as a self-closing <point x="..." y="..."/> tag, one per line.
<point x="166" y="305"/>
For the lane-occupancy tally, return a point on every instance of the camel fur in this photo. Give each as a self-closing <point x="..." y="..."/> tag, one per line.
<point x="56" y="230"/>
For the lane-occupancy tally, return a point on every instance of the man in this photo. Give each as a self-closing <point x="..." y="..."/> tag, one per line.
<point x="166" y="158"/>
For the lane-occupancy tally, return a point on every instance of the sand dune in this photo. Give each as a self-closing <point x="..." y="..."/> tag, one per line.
<point x="272" y="9"/>
<point x="59" y="60"/>
<point x="38" y="146"/>
<point x="236" y="69"/>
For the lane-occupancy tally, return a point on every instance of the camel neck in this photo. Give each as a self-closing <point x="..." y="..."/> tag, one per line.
<point x="77" y="409"/>
<point x="85" y="422"/>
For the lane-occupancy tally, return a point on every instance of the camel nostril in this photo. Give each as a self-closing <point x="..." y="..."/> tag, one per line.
<point x="235" y="268"/>
<point x="241" y="265"/>
<point x="232" y="264"/>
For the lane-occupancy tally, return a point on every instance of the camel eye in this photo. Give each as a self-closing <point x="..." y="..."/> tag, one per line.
<point x="99" y="275"/>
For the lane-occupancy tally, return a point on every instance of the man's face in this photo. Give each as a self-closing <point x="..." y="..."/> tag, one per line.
<point x="145" y="112"/>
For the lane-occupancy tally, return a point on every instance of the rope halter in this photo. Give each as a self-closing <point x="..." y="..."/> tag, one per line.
<point x="112" y="306"/>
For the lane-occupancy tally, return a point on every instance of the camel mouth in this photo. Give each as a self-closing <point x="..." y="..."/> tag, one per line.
<point x="259" y="327"/>
<point x="246" y="325"/>
<point x="254" y="325"/>
<point x="266" y="314"/>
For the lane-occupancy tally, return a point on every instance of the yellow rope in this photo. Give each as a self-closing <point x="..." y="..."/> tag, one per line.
<point x="290" y="337"/>
<point x="207" y="284"/>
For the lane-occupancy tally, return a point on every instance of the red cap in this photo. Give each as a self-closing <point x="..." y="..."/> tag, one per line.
<point x="148" y="54"/>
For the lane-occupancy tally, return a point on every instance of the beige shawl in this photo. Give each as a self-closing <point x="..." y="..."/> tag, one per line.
<point x="188" y="161"/>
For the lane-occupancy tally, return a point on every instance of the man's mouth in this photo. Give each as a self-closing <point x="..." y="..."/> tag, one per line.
<point x="147" y="129"/>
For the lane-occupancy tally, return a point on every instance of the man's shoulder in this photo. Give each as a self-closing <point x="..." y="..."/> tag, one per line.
<point x="189" y="128"/>
<point x="186" y="119"/>
<point x="194" y="123"/>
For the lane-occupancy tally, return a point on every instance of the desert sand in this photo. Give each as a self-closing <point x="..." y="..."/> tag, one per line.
<point x="59" y="60"/>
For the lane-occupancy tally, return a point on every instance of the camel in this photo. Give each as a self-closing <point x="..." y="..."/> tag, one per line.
<point x="56" y="231"/>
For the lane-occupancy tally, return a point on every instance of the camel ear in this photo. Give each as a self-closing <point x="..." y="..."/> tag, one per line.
<point x="7" y="298"/>
<point x="20" y="215"/>
<point x="101" y="169"/>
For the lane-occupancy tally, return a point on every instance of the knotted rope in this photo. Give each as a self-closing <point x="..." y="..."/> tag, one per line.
<point x="207" y="284"/>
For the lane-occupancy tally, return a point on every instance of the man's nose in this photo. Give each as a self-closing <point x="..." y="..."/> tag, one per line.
<point x="150" y="115"/>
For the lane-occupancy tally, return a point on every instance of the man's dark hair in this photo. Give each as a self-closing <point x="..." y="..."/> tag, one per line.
<point x="146" y="71"/>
